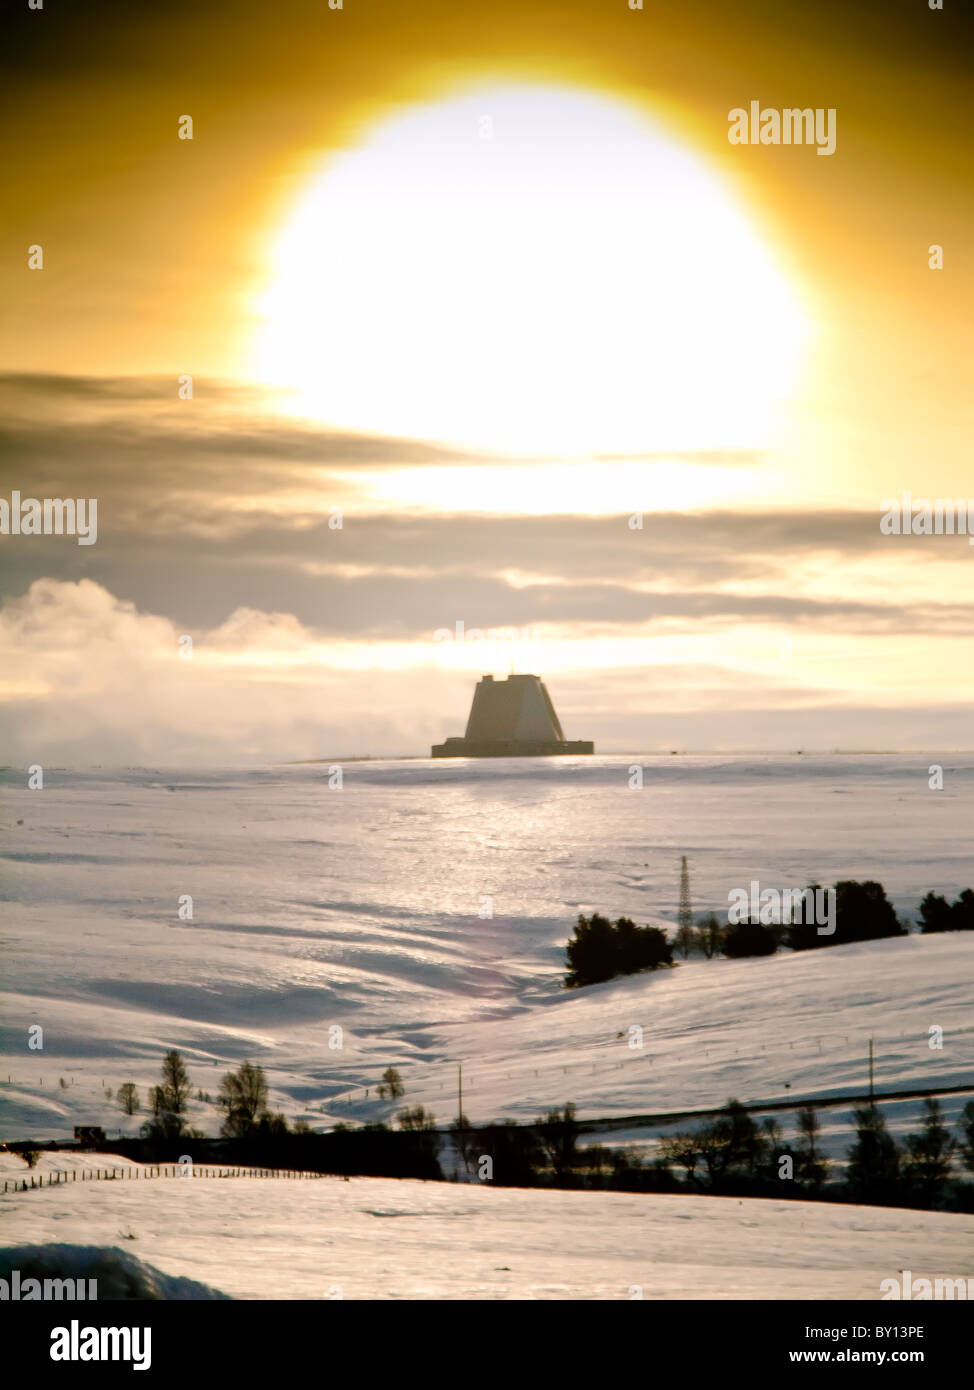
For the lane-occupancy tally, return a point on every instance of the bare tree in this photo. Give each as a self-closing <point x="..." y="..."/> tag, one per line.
<point x="811" y="1166"/>
<point x="558" y="1133"/>
<point x="929" y="1154"/>
<point x="967" y="1136"/>
<point x="243" y="1096"/>
<point x="416" y="1119"/>
<point x="391" y="1085"/>
<point x="682" y="1149"/>
<point x="175" y="1080"/>
<point x="709" y="936"/>
<point x="128" y="1098"/>
<point x="464" y="1138"/>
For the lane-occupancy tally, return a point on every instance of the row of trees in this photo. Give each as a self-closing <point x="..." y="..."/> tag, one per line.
<point x="523" y="1155"/>
<point x="242" y="1098"/>
<point x="600" y="949"/>
<point x="734" y="1154"/>
<point x="863" y="912"/>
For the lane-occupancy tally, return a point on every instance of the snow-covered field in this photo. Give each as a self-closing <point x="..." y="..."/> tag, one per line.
<point x="382" y="1238"/>
<point x="417" y="917"/>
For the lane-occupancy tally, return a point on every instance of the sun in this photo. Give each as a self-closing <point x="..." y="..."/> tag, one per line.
<point x="530" y="270"/>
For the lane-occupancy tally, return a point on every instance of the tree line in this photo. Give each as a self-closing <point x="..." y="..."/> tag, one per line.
<point x="600" y="950"/>
<point x="734" y="1155"/>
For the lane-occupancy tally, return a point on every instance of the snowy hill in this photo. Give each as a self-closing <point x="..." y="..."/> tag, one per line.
<point x="353" y="917"/>
<point x="761" y="1030"/>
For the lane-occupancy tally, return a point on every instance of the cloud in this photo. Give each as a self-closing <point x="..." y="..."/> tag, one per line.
<point x="88" y="677"/>
<point x="385" y="576"/>
<point x="94" y="428"/>
<point x="311" y="640"/>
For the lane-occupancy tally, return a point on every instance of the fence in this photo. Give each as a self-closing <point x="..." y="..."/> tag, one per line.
<point x="146" y="1171"/>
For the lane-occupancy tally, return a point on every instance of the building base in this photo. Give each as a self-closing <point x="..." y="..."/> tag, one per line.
<point x="510" y="748"/>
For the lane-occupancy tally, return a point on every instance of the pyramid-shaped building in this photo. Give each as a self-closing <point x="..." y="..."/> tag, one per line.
<point x="511" y="718"/>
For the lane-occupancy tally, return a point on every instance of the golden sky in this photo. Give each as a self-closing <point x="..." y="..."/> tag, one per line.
<point x="491" y="345"/>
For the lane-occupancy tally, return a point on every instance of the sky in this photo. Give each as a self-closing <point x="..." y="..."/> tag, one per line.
<point x="487" y="322"/>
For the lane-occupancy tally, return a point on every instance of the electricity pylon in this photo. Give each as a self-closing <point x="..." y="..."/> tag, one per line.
<point x="684" y="917"/>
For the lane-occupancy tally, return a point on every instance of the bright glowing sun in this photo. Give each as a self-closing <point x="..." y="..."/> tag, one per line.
<point x="528" y="269"/>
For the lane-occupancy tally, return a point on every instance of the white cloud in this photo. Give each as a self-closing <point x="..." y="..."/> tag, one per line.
<point x="105" y="682"/>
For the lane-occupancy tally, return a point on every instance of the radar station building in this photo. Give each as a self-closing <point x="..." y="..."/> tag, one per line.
<point x="511" y="718"/>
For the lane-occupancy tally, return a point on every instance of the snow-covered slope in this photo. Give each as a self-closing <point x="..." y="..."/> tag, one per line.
<point x="116" y="1274"/>
<point x="791" y="1025"/>
<point x="380" y="1238"/>
<point x="417" y="917"/>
